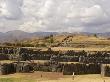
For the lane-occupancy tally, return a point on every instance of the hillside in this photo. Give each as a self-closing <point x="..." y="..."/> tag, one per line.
<point x="21" y="35"/>
<point x="74" y="40"/>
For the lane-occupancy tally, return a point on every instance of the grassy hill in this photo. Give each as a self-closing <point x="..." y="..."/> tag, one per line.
<point x="75" y="41"/>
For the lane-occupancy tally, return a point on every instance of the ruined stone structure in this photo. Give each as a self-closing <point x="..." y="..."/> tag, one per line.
<point x="88" y="62"/>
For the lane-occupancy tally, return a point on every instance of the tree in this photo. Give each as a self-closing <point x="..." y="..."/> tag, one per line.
<point x="51" y="39"/>
<point x="95" y="35"/>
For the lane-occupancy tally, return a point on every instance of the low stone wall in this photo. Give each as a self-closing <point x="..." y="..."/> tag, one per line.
<point x="105" y="70"/>
<point x="15" y="67"/>
<point x="80" y="69"/>
<point x="7" y="69"/>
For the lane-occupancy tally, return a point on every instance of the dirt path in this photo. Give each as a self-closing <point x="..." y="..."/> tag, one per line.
<point x="81" y="78"/>
<point x="54" y="77"/>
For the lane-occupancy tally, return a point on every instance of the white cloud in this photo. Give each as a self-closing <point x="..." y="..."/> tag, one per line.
<point x="10" y="9"/>
<point x="31" y="26"/>
<point x="55" y="15"/>
<point x="93" y="14"/>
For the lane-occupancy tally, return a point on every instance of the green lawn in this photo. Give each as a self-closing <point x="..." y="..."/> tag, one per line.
<point x="16" y="80"/>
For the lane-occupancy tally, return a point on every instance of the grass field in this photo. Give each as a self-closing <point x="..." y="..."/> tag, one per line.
<point x="80" y="49"/>
<point x="51" y="77"/>
<point x="75" y="41"/>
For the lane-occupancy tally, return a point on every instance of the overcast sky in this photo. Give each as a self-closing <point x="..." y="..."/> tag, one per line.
<point x="55" y="15"/>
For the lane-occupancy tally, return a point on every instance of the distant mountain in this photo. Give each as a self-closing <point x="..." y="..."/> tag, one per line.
<point x="40" y="34"/>
<point x="106" y="34"/>
<point x="21" y="35"/>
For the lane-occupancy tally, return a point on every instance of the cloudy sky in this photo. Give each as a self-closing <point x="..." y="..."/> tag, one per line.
<point x="55" y="15"/>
